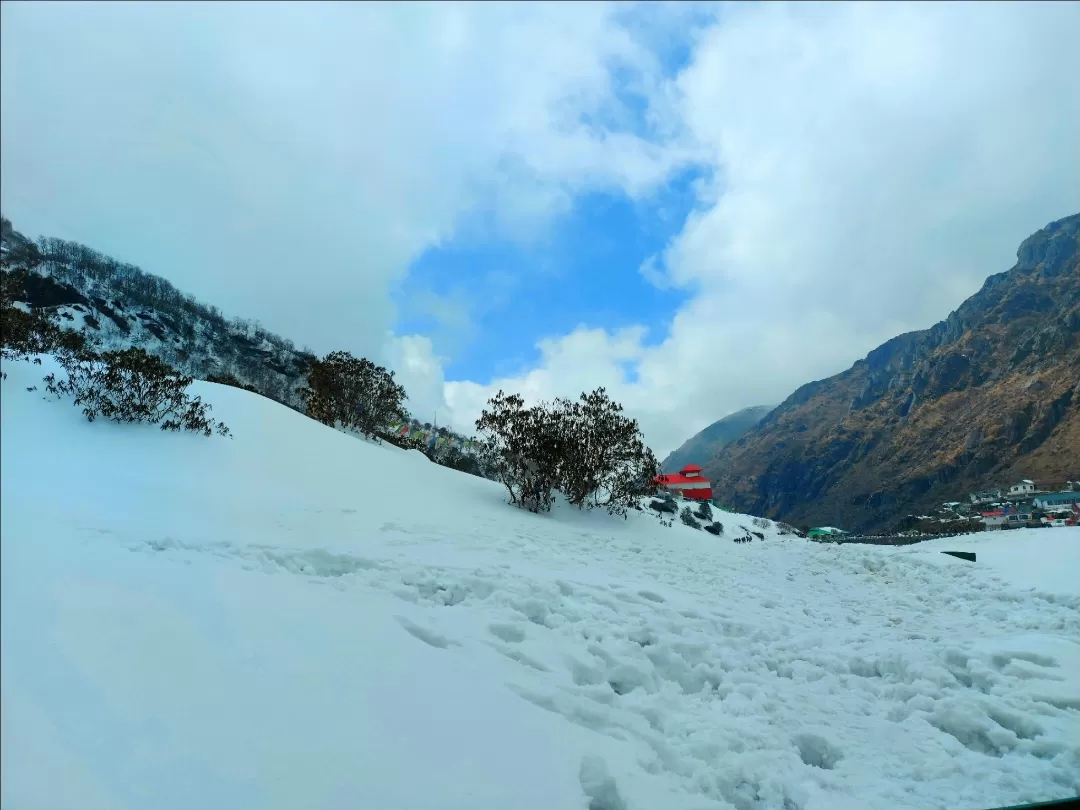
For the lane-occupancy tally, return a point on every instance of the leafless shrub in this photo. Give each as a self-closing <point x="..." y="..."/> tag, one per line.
<point x="352" y="392"/>
<point x="23" y="334"/>
<point x="524" y="447"/>
<point x="132" y="386"/>
<point x="231" y="380"/>
<point x="588" y="450"/>
<point x="606" y="463"/>
<point x="687" y="517"/>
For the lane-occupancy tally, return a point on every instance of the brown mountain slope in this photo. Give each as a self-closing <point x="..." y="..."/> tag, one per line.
<point x="708" y="442"/>
<point x="989" y="395"/>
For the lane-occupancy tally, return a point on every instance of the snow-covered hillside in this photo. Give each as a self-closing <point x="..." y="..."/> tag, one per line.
<point x="118" y="305"/>
<point x="293" y="618"/>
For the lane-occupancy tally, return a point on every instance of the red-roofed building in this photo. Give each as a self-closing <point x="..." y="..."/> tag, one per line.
<point x="689" y="482"/>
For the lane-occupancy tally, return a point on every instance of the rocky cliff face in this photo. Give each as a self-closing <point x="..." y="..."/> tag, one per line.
<point x="702" y="446"/>
<point x="988" y="395"/>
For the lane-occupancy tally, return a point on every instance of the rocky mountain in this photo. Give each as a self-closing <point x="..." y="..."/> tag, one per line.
<point x="987" y="396"/>
<point x="700" y="447"/>
<point x="120" y="305"/>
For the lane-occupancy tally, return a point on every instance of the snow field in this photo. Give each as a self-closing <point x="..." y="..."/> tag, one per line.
<point x="1029" y="558"/>
<point x="297" y="618"/>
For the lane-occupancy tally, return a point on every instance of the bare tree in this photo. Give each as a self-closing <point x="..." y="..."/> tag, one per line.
<point x="353" y="392"/>
<point x="587" y="450"/>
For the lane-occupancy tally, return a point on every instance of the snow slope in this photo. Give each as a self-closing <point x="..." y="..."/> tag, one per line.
<point x="1044" y="559"/>
<point x="278" y="621"/>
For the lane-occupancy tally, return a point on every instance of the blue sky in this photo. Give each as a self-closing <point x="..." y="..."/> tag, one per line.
<point x="505" y="296"/>
<point x="466" y="192"/>
<point x="486" y="302"/>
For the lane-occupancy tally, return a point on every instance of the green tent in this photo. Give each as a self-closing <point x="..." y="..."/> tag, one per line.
<point x="826" y="531"/>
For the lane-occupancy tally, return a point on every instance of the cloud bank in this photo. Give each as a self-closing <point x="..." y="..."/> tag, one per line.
<point x="862" y="167"/>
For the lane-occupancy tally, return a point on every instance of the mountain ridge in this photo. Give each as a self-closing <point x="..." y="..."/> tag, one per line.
<point x="700" y="447"/>
<point x="990" y="393"/>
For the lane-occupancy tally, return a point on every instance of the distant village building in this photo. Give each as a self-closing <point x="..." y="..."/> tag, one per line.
<point x="1009" y="516"/>
<point x="688" y="482"/>
<point x="995" y="518"/>
<point x="985" y="496"/>
<point x="1056" y="500"/>
<point x="1025" y="487"/>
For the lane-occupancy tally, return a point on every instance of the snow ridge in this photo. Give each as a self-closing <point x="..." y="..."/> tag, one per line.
<point x="459" y="653"/>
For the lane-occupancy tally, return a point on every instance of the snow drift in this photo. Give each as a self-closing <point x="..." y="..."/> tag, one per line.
<point x="294" y="618"/>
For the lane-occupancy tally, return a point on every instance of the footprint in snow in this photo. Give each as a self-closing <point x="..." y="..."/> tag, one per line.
<point x="429" y="637"/>
<point x="517" y="656"/>
<point x="817" y="752"/>
<point x="507" y="632"/>
<point x="599" y="786"/>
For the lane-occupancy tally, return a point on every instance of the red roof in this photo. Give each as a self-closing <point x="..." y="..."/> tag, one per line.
<point x="690" y="474"/>
<point x="692" y="483"/>
<point x="674" y="479"/>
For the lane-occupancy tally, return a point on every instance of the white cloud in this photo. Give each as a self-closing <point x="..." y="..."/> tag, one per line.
<point x="580" y="361"/>
<point x="419" y="370"/>
<point x="873" y="164"/>
<point x="287" y="161"/>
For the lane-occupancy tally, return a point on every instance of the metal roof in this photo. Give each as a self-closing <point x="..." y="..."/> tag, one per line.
<point x="1058" y="497"/>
